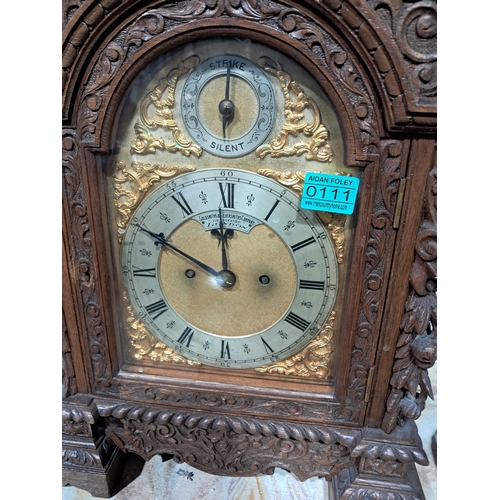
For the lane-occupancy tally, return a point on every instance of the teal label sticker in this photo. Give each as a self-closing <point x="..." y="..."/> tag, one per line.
<point x="329" y="193"/>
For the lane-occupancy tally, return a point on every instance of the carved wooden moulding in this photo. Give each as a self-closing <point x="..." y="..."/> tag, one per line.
<point x="231" y="446"/>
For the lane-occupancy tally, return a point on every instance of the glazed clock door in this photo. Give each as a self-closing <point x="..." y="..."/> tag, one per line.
<point x="218" y="265"/>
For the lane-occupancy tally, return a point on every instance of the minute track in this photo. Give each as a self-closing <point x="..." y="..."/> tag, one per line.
<point x="255" y="321"/>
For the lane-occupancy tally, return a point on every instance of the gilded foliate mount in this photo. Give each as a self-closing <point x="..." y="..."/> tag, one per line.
<point x="145" y="142"/>
<point x="296" y="102"/>
<point x="131" y="184"/>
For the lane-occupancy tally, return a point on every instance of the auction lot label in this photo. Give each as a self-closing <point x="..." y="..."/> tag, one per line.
<point x="329" y="193"/>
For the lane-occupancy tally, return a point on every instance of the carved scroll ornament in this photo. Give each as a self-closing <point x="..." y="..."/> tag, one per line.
<point x="155" y="22"/>
<point x="414" y="25"/>
<point x="77" y="216"/>
<point x="230" y="446"/>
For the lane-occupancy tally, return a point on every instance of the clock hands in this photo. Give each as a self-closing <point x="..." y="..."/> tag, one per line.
<point x="160" y="240"/>
<point x="222" y="241"/>
<point x="225" y="278"/>
<point x="222" y="236"/>
<point x="226" y="106"/>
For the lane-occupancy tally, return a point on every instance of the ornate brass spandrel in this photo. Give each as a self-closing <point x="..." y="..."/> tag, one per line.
<point x="144" y="345"/>
<point x="335" y="224"/>
<point x="292" y="180"/>
<point x="296" y="102"/>
<point x="162" y="98"/>
<point x="312" y="361"/>
<point x="131" y="184"/>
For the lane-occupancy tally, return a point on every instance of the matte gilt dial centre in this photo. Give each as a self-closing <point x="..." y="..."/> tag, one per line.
<point x="212" y="303"/>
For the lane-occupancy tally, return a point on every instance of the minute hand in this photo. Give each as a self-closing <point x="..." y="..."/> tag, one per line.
<point x="223" y="242"/>
<point x="160" y="239"/>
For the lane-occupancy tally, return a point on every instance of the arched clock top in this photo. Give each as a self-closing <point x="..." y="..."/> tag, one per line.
<point x="369" y="79"/>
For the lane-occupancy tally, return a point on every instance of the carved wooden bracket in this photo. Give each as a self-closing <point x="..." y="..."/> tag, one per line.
<point x="79" y="412"/>
<point x="87" y="454"/>
<point x="384" y="470"/>
<point x="230" y="446"/>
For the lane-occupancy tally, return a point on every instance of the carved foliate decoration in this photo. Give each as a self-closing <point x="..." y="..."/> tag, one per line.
<point x="314" y="39"/>
<point x="417" y="342"/>
<point x="68" y="370"/>
<point x="368" y="493"/>
<point x="296" y="101"/>
<point x="383" y="468"/>
<point x="77" y="456"/>
<point x="89" y="19"/>
<point x="377" y="255"/>
<point x="374" y="453"/>
<point x="254" y="406"/>
<point x="414" y="24"/>
<point x="78" y="414"/>
<point x="337" y="59"/>
<point x="77" y="215"/>
<point x="230" y="446"/>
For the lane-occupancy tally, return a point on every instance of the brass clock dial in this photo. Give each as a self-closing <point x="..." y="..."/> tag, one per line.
<point x="226" y="268"/>
<point x="228" y="105"/>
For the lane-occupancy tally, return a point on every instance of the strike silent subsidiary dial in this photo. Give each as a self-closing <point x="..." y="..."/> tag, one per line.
<point x="228" y="105"/>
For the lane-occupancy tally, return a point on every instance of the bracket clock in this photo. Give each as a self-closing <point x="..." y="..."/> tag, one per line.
<point x="230" y="299"/>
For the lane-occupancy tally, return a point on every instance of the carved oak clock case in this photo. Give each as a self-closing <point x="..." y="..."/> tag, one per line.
<point x="210" y="315"/>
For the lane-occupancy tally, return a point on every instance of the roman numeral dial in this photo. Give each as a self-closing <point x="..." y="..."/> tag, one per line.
<point x="183" y="204"/>
<point x="312" y="285"/>
<point x="225" y="268"/>
<point x="156" y="309"/>
<point x="227" y="194"/>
